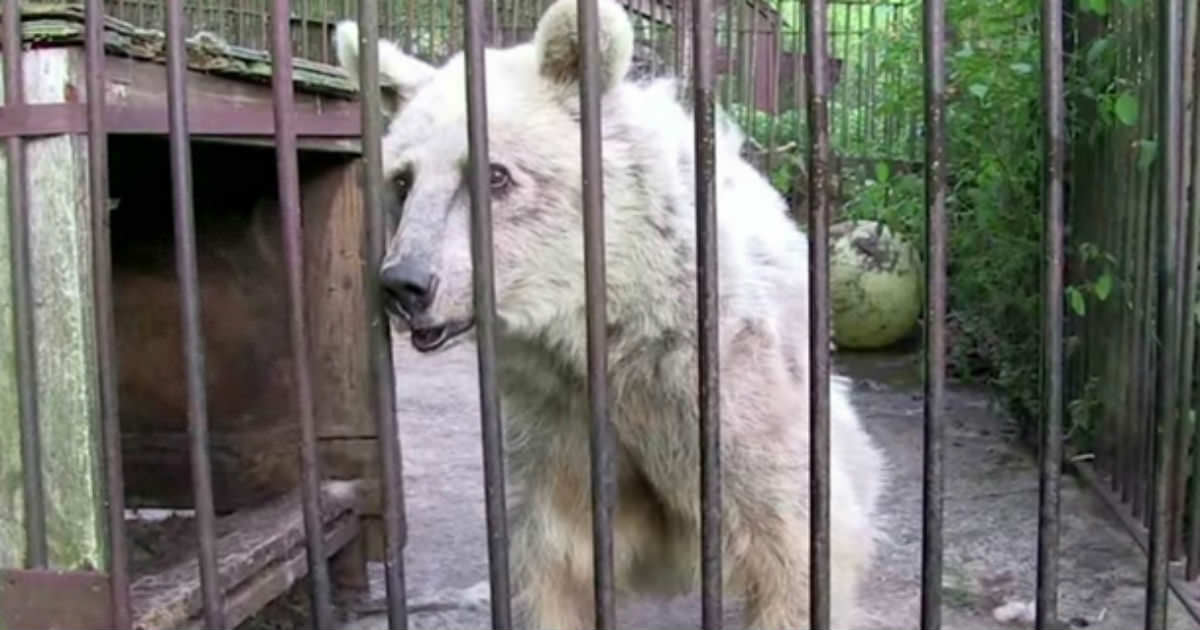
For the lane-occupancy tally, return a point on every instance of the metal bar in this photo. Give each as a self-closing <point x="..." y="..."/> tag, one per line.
<point x="22" y="296"/>
<point x="1193" y="545"/>
<point x="818" y="312"/>
<point x="1129" y="197"/>
<point x="1147" y="195"/>
<point x="602" y="440"/>
<point x="1186" y="282"/>
<point x="293" y="251"/>
<point x="106" y="353"/>
<point x="395" y="532"/>
<point x="933" y="484"/>
<point x="1050" y="453"/>
<point x="193" y="337"/>
<point x="1170" y="20"/>
<point x="707" y="321"/>
<point x="839" y="49"/>
<point x="485" y="314"/>
<point x="679" y="34"/>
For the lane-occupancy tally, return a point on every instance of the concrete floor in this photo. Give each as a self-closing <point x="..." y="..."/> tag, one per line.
<point x="990" y="512"/>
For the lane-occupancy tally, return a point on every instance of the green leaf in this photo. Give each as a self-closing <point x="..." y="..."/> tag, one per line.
<point x="1099" y="7"/>
<point x="1126" y="108"/>
<point x="1130" y="3"/>
<point x="1076" y="299"/>
<point x="978" y="89"/>
<point x="1021" y="68"/>
<point x="1098" y="48"/>
<point x="1147" y="150"/>
<point x="1103" y="286"/>
<point x="882" y="172"/>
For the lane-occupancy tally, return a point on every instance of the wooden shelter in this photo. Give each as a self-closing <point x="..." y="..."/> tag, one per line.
<point x="253" y="429"/>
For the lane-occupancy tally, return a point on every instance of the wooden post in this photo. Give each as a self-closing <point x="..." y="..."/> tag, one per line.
<point x="60" y="245"/>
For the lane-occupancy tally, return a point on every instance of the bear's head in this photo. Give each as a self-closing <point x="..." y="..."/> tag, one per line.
<point x="534" y="174"/>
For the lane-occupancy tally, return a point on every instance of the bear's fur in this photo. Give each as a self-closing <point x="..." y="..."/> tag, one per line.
<point x="533" y="106"/>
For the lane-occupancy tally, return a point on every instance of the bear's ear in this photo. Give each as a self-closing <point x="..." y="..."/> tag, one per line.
<point x="400" y="76"/>
<point x="557" y="43"/>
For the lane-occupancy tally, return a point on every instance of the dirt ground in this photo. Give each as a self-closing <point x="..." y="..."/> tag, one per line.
<point x="990" y="514"/>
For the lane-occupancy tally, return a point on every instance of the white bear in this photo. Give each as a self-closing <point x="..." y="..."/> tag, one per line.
<point x="533" y="107"/>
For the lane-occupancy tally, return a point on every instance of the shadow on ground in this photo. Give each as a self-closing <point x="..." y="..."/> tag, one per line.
<point x="990" y="512"/>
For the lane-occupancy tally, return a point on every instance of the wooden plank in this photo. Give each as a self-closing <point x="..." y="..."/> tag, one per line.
<point x="276" y="580"/>
<point x="260" y="555"/>
<point x="60" y="246"/>
<point x="335" y="265"/>
<point x="64" y="600"/>
<point x="140" y="84"/>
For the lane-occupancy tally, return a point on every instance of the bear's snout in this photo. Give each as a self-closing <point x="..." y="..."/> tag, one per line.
<point x="409" y="287"/>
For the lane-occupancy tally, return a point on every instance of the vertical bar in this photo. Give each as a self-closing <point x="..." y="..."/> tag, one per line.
<point x="1170" y="19"/>
<point x="818" y="311"/>
<point x="485" y="311"/>
<point x="395" y="531"/>
<point x="1050" y="453"/>
<point x="933" y="484"/>
<point x="872" y="79"/>
<point x="324" y="24"/>
<point x="193" y="340"/>
<point x="679" y="34"/>
<point x="603" y="478"/>
<point x="840" y="49"/>
<point x="22" y="287"/>
<point x="293" y="244"/>
<point x="707" y="322"/>
<point x="118" y="558"/>
<point x="1193" y="244"/>
<point x="1185" y="271"/>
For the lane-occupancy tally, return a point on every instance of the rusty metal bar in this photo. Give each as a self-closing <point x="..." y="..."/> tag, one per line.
<point x="485" y="314"/>
<point x="602" y="439"/>
<point x="106" y="353"/>
<point x="933" y="483"/>
<point x="22" y="297"/>
<point x="1188" y="215"/>
<point x="1193" y="545"/>
<point x="395" y="530"/>
<point x="293" y="251"/>
<point x="1053" y="210"/>
<point x="708" y="324"/>
<point x="1170" y="21"/>
<point x="818" y="312"/>
<point x="193" y="337"/>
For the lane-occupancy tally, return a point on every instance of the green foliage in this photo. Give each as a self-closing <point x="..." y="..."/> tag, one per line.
<point x="993" y="152"/>
<point x="994" y="160"/>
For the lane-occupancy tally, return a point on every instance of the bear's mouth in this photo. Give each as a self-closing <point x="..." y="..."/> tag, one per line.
<point x="432" y="338"/>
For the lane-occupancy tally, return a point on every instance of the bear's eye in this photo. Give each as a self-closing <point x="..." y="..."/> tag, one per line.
<point x="500" y="178"/>
<point x="401" y="183"/>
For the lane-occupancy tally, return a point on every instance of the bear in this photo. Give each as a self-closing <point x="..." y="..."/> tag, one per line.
<point x="648" y="169"/>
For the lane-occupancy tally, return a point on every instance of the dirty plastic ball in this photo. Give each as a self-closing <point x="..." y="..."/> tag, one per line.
<point x="875" y="285"/>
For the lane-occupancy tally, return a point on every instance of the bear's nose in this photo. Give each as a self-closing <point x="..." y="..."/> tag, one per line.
<point x="410" y="285"/>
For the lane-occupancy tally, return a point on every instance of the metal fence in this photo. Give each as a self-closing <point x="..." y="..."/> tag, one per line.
<point x="758" y="49"/>
<point x="1133" y="278"/>
<point x="1158" y="26"/>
